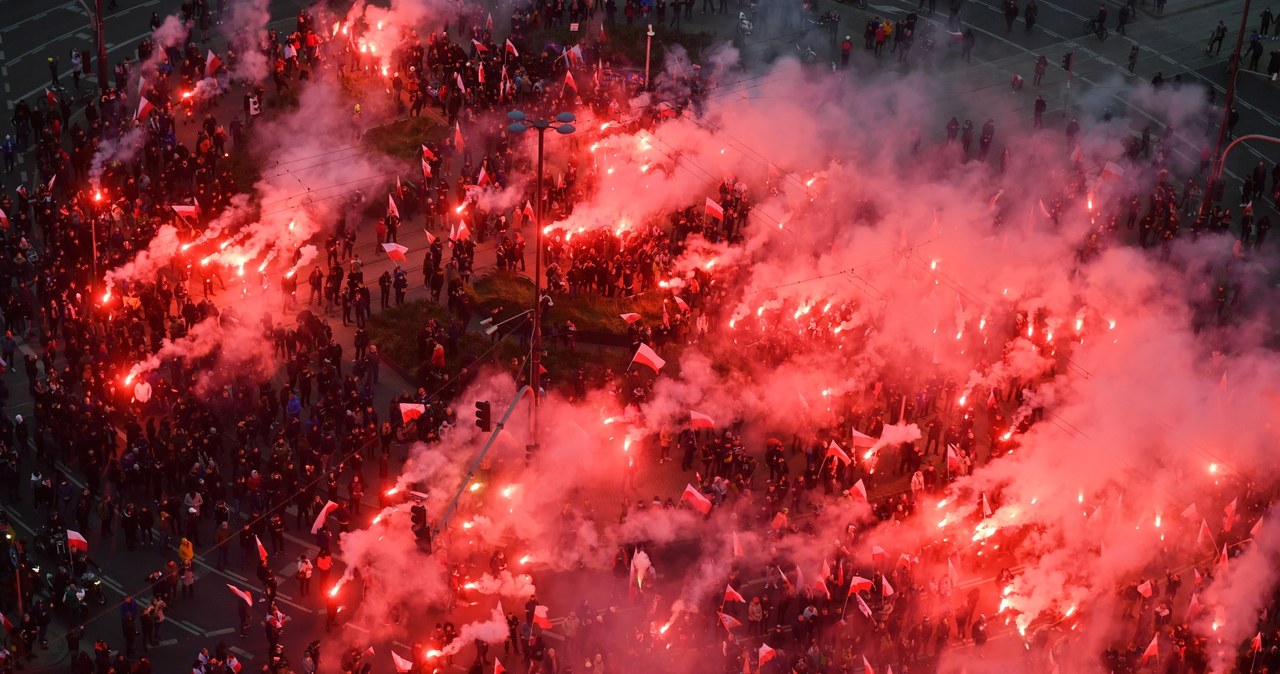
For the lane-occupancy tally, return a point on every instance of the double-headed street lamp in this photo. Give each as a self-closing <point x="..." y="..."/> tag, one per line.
<point x="563" y="124"/>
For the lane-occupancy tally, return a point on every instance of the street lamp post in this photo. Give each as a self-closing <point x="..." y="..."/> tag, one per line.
<point x="100" y="40"/>
<point x="1215" y="171"/>
<point x="563" y="124"/>
<point x="648" y="48"/>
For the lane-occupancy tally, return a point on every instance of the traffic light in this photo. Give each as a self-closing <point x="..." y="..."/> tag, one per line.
<point x="1068" y="60"/>
<point x="484" y="416"/>
<point x="418" y="514"/>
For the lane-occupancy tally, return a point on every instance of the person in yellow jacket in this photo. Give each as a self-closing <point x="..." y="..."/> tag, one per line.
<point x="186" y="551"/>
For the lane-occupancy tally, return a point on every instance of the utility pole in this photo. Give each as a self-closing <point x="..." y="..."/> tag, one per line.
<point x="1211" y="187"/>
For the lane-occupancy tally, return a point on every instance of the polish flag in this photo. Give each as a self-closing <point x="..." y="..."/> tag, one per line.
<point x="540" y="617"/>
<point x="714" y="209"/>
<point x="392" y="209"/>
<point x="462" y="87"/>
<point x="778" y="524"/>
<point x="1191" y="513"/>
<point x="427" y="154"/>
<point x="262" y="551"/>
<point x="77" y="541"/>
<point x="426" y="169"/>
<point x="1145" y="589"/>
<point x="1257" y="527"/>
<point x="248" y="598"/>
<point x="186" y="211"/>
<point x="729" y="621"/>
<point x="488" y="22"/>
<point x="885" y="588"/>
<point x="480" y="48"/>
<point x="684" y="306"/>
<point x="859" y="491"/>
<point x="645" y="355"/>
<point x="511" y="48"/>
<point x="877" y="553"/>
<point x="483" y="177"/>
<point x="630" y="317"/>
<point x="144" y="108"/>
<point x="866" y="666"/>
<point x="411" y="411"/>
<point x="834" y="450"/>
<point x="766" y="654"/>
<point x="861" y="440"/>
<point x="498" y="668"/>
<point x="862" y="605"/>
<point x="8" y="626"/>
<point x="403" y="665"/>
<point x="859" y="584"/>
<point x="1153" y="649"/>
<point x="211" y="64"/>
<point x="323" y="517"/>
<point x="1256" y="644"/>
<point x="457" y="137"/>
<point x="953" y="458"/>
<point x="986" y="506"/>
<point x="1193" y="607"/>
<point x="569" y="81"/>
<point x="528" y="210"/>
<point x="731" y="594"/>
<point x="695" y="498"/>
<point x="396" y="252"/>
<point x="4" y="219"/>
<point x="1112" y="171"/>
<point x="700" y="420"/>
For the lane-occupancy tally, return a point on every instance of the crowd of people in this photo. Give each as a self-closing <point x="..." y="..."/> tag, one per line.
<point x="204" y="466"/>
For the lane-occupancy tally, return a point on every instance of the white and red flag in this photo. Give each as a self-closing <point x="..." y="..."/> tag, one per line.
<point x="700" y="420"/>
<point x="242" y="594"/>
<point x="77" y="541"/>
<point x="731" y="594"/>
<point x="714" y="209"/>
<point x="695" y="499"/>
<point x="645" y="355"/>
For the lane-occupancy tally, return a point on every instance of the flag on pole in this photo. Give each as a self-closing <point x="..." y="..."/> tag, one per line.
<point x="645" y="355"/>
<point x="766" y="654"/>
<point x="480" y="48"/>
<point x="242" y="594"/>
<point x="859" y="584"/>
<point x="427" y="154"/>
<point x="511" y="49"/>
<point x="457" y="136"/>
<point x="569" y="82"/>
<point x="462" y="86"/>
<point x="1145" y="589"/>
<point x="392" y="209"/>
<point x="630" y="317"/>
<point x="1153" y="649"/>
<point x="700" y="420"/>
<point x="323" y="516"/>
<point x="861" y="440"/>
<point x="528" y="210"/>
<point x="144" y="108"/>
<point x="262" y="551"/>
<point x="714" y="209"/>
<point x="540" y="617"/>
<point x="729" y="621"/>
<point x="426" y="169"/>
<point x="498" y="668"/>
<point x="862" y="605"/>
<point x="1256" y="528"/>
<point x="212" y="64"/>
<point x="986" y="506"/>
<point x="695" y="499"/>
<point x="953" y="459"/>
<point x="403" y="666"/>
<point x="1256" y="644"/>
<point x="411" y="411"/>
<point x="684" y="306"/>
<point x="886" y="590"/>
<point x="834" y="450"/>
<point x="731" y="594"/>
<point x="1112" y="171"/>
<point x="396" y="252"/>
<point x="859" y="491"/>
<point x="488" y="22"/>
<point x="77" y="541"/>
<point x="866" y="666"/>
